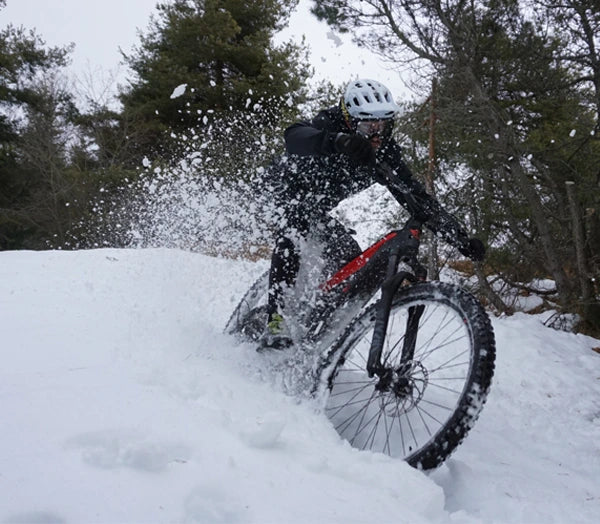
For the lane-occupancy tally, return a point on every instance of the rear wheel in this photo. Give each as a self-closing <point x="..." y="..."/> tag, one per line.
<point x="249" y="318"/>
<point x="438" y="362"/>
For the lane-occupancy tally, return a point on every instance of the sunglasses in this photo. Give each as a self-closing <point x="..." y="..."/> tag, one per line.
<point x="373" y="128"/>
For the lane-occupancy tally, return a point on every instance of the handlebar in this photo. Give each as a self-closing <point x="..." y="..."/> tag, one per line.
<point x="402" y="192"/>
<point x="424" y="209"/>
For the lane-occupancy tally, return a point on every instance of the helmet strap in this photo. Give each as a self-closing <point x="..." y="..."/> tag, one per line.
<point x="346" y="114"/>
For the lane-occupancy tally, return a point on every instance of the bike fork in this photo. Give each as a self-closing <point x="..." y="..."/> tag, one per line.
<point x="388" y="289"/>
<point x="410" y="336"/>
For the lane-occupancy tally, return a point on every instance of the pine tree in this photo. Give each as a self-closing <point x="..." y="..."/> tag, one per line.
<point x="221" y="51"/>
<point x="27" y="100"/>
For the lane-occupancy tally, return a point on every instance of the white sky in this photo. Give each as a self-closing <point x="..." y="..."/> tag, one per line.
<point x="99" y="28"/>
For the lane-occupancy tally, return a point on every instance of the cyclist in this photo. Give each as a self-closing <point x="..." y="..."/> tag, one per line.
<point x="329" y="159"/>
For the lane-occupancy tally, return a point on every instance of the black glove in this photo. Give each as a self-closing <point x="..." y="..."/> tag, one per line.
<point x="475" y="250"/>
<point x="357" y="147"/>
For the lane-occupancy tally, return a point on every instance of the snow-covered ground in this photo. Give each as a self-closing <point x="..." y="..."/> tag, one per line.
<point x="122" y="401"/>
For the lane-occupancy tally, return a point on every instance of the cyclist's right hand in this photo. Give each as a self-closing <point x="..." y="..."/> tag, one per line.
<point x="357" y="147"/>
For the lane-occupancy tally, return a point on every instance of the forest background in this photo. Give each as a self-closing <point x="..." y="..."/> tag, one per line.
<point x="505" y="133"/>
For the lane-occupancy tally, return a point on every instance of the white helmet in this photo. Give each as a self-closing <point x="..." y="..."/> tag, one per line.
<point x="366" y="99"/>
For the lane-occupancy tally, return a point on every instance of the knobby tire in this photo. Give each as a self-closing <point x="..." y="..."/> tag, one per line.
<point x="440" y="386"/>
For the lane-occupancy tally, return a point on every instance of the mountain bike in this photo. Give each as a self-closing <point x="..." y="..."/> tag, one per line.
<point x="402" y="365"/>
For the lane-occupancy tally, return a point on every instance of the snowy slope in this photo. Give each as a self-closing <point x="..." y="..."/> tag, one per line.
<point x="122" y="401"/>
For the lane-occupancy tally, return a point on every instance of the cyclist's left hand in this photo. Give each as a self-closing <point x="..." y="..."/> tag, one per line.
<point x="474" y="249"/>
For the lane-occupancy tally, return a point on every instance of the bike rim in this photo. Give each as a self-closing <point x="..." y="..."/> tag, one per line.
<point x="404" y="419"/>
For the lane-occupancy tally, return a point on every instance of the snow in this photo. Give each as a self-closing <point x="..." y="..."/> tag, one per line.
<point x="122" y="401"/>
<point x="178" y="91"/>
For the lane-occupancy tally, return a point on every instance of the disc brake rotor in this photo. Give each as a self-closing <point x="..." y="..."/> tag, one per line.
<point x="405" y="390"/>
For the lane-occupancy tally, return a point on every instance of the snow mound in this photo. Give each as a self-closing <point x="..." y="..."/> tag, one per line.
<point x="123" y="401"/>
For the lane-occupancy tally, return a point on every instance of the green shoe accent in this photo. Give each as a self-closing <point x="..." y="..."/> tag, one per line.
<point x="275" y="325"/>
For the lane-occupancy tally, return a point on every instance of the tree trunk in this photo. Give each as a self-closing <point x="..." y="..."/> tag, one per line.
<point x="592" y="236"/>
<point x="487" y="291"/>
<point x="578" y="235"/>
<point x="434" y="265"/>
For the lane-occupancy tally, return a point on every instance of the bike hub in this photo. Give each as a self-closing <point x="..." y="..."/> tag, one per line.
<point x="402" y="389"/>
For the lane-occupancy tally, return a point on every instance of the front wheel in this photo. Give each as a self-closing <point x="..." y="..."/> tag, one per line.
<point x="437" y="366"/>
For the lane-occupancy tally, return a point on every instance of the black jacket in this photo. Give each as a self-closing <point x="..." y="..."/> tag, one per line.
<point x="312" y="178"/>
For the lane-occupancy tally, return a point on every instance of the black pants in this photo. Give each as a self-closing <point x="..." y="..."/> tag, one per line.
<point x="339" y="248"/>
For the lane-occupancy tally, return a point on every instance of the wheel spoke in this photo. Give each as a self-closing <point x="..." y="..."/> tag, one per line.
<point x="386" y="446"/>
<point x="346" y="391"/>
<point x="400" y="428"/>
<point x="441" y="344"/>
<point x="349" y="401"/>
<point x="446" y="343"/>
<point x="457" y="364"/>
<point x="444" y="365"/>
<point x="420" y="411"/>
<point x="445" y="388"/>
<point x="345" y="404"/>
<point x="412" y="432"/>
<point x="358" y="366"/>
<point x="361" y="427"/>
<point x="437" y="404"/>
<point x="346" y="423"/>
<point x="373" y="431"/>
